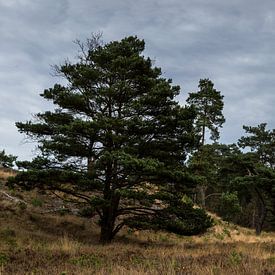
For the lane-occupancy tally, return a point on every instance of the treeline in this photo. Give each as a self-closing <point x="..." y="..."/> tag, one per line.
<point x="237" y="180"/>
<point x="238" y="185"/>
<point x="127" y="153"/>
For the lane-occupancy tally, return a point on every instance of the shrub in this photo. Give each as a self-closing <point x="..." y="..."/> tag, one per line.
<point x="36" y="202"/>
<point x="3" y="259"/>
<point x="229" y="206"/>
<point x="184" y="220"/>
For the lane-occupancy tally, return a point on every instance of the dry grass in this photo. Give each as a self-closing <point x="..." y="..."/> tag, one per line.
<point x="32" y="243"/>
<point x="6" y="173"/>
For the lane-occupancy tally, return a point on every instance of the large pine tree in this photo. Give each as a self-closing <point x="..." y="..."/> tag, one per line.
<point x="116" y="141"/>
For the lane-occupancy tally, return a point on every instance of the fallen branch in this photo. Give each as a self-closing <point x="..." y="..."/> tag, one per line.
<point x="12" y="198"/>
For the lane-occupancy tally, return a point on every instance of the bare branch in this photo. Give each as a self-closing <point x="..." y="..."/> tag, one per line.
<point x="12" y="198"/>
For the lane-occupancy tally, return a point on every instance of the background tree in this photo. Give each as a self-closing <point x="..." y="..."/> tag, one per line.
<point x="116" y="142"/>
<point x="261" y="141"/>
<point x="229" y="205"/>
<point x="251" y="175"/>
<point x="207" y="165"/>
<point x="208" y="103"/>
<point x="259" y="178"/>
<point x="259" y="182"/>
<point x="7" y="161"/>
<point x="203" y="165"/>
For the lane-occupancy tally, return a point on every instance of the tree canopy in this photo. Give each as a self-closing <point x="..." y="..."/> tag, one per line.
<point x="261" y="141"/>
<point x="208" y="103"/>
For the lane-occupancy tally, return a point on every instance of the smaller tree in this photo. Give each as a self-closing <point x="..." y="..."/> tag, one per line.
<point x="259" y="182"/>
<point x="208" y="103"/>
<point x="229" y="205"/>
<point x="6" y="161"/>
<point x="202" y="166"/>
<point x="261" y="141"/>
<point x="260" y="176"/>
<point x="207" y="164"/>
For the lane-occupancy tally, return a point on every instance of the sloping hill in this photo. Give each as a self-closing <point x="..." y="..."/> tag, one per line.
<point x="36" y="239"/>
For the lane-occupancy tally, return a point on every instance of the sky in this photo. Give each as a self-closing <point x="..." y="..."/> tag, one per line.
<point x="230" y="42"/>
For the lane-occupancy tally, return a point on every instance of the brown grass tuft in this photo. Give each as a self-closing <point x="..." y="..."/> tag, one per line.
<point x="6" y="173"/>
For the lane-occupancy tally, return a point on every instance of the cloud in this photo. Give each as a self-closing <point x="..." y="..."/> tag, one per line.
<point x="231" y="42"/>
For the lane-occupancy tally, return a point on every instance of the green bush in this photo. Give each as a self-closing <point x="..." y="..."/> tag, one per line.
<point x="235" y="257"/>
<point x="229" y="206"/>
<point x="184" y="220"/>
<point x="36" y="202"/>
<point x="3" y="259"/>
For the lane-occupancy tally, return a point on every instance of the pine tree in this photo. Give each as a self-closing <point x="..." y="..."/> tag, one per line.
<point x="262" y="142"/>
<point x="252" y="175"/>
<point x="6" y="161"/>
<point x="117" y="141"/>
<point x="257" y="182"/>
<point x="259" y="178"/>
<point x="208" y="103"/>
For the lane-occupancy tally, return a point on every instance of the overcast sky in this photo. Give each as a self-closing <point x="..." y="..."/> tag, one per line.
<point x="230" y="42"/>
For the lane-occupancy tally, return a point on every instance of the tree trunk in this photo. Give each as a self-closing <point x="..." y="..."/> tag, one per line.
<point x="108" y="220"/>
<point x="202" y="188"/>
<point x="202" y="192"/>
<point x="90" y="164"/>
<point x="261" y="215"/>
<point x="106" y="234"/>
<point x="260" y="219"/>
<point x="254" y="218"/>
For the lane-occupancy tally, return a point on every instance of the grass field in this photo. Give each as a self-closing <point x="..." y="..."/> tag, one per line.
<point x="35" y="243"/>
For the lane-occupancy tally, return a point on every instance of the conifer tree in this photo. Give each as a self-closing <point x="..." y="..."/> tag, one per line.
<point x="261" y="141"/>
<point x="6" y="161"/>
<point x="252" y="175"/>
<point x="259" y="178"/>
<point x="208" y="103"/>
<point x="117" y="141"/>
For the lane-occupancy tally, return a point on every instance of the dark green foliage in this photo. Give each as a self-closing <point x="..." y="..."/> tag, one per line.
<point x="6" y="161"/>
<point x="208" y="161"/>
<point x="4" y="259"/>
<point x="229" y="205"/>
<point x="262" y="142"/>
<point x="259" y="183"/>
<point x="251" y="175"/>
<point x="208" y="103"/>
<point x="259" y="178"/>
<point x="181" y="219"/>
<point x="36" y="202"/>
<point x="117" y="139"/>
<point x="207" y="165"/>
